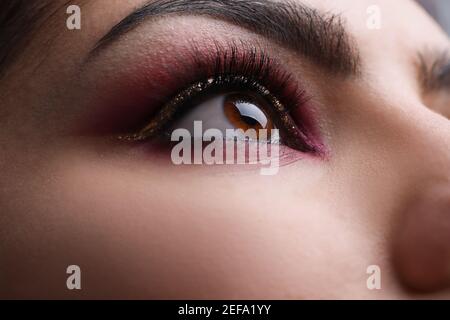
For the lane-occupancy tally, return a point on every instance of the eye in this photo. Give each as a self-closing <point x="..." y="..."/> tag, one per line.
<point x="246" y="104"/>
<point x="239" y="88"/>
<point x="233" y="110"/>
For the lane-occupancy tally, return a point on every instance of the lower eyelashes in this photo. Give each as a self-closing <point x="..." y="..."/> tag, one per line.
<point x="234" y="87"/>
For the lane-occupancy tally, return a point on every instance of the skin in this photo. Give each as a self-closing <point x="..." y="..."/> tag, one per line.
<point x="141" y="228"/>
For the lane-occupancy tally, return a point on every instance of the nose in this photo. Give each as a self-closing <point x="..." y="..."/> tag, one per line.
<point x="422" y="247"/>
<point x="422" y="236"/>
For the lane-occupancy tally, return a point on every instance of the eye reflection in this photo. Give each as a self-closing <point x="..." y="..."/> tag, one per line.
<point x="244" y="112"/>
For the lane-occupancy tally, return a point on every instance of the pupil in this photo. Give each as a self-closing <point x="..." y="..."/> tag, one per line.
<point x="250" y="121"/>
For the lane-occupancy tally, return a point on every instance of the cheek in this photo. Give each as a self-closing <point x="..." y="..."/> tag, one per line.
<point x="157" y="233"/>
<point x="143" y="232"/>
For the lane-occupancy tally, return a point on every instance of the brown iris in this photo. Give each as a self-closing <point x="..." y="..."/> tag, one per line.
<point x="246" y="112"/>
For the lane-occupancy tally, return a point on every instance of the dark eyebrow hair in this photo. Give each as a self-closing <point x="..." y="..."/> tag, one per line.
<point x="434" y="70"/>
<point x="321" y="37"/>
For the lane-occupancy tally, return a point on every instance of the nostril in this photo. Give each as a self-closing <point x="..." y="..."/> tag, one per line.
<point x="422" y="241"/>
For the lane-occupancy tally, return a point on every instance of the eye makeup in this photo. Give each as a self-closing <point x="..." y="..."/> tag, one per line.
<point x="147" y="101"/>
<point x="241" y="68"/>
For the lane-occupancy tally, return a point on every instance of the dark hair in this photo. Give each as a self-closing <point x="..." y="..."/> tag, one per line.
<point x="17" y="21"/>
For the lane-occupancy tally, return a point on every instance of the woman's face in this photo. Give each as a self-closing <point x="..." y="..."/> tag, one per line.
<point x="373" y="188"/>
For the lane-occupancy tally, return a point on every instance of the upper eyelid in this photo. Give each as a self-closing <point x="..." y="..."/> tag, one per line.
<point x="236" y="60"/>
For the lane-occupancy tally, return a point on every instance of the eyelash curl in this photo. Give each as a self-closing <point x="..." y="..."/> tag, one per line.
<point x="242" y="68"/>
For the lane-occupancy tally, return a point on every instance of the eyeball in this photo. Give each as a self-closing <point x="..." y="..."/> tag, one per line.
<point x="235" y="110"/>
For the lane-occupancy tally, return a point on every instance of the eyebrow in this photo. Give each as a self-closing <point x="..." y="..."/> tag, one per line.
<point x="319" y="37"/>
